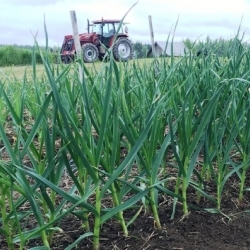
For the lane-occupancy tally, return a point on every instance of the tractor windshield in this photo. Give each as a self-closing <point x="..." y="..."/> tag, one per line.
<point x="108" y="29"/>
<point x="97" y="28"/>
<point x="117" y="26"/>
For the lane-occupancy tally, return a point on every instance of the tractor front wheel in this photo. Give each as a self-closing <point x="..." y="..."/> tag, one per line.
<point x="122" y="49"/>
<point x="90" y="52"/>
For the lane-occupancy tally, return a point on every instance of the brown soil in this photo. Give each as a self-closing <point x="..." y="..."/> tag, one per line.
<point x="199" y="230"/>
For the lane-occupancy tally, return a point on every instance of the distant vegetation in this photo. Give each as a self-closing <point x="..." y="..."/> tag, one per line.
<point x="22" y="54"/>
<point x="19" y="55"/>
<point x="140" y="50"/>
<point x="221" y="47"/>
<point x="11" y="55"/>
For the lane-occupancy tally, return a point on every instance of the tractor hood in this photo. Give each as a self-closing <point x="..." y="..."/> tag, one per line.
<point x="89" y="37"/>
<point x="84" y="38"/>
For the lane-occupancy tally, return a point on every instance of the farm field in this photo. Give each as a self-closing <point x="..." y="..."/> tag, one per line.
<point x="150" y="154"/>
<point x="13" y="73"/>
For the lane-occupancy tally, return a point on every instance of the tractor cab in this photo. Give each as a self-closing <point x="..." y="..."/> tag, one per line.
<point x="106" y="29"/>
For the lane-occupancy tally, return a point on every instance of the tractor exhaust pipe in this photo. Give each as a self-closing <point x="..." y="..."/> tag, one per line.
<point x="88" y="25"/>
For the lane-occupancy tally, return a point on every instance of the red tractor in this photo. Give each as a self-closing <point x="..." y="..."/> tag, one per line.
<point x="103" y="32"/>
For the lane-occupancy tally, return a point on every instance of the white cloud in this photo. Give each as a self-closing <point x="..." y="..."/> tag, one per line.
<point x="32" y="2"/>
<point x="216" y="18"/>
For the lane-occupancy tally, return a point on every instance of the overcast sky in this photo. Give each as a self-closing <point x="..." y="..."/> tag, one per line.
<point x="197" y="19"/>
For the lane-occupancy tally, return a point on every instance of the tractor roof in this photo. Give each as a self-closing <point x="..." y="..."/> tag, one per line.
<point x="71" y="36"/>
<point x="106" y="21"/>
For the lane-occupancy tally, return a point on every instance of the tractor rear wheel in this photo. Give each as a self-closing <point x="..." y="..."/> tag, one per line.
<point x="122" y="49"/>
<point x="90" y="52"/>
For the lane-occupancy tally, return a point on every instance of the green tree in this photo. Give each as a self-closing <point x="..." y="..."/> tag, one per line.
<point x="137" y="48"/>
<point x="12" y="56"/>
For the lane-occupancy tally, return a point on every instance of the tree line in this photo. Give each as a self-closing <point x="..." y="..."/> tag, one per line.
<point x="15" y="55"/>
<point x="140" y="50"/>
<point x="221" y="47"/>
<point x="23" y="54"/>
